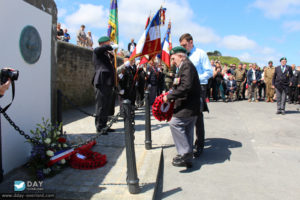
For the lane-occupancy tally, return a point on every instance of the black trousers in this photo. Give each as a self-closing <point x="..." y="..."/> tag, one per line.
<point x="200" y="130"/>
<point x="104" y="100"/>
<point x="139" y="95"/>
<point x="293" y="96"/>
<point x="262" y="88"/>
<point x="152" y="93"/>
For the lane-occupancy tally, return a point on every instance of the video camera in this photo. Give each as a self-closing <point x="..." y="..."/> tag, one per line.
<point x="5" y="74"/>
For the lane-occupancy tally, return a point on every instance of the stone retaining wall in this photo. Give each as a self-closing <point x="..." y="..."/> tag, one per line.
<point x="74" y="73"/>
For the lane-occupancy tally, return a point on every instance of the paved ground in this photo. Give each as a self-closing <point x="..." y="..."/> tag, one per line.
<point x="108" y="182"/>
<point x="250" y="153"/>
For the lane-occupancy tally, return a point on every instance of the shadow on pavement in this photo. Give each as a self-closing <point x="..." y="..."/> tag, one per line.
<point x="69" y="116"/>
<point x="216" y="150"/>
<point x="171" y="192"/>
<point x="292" y="112"/>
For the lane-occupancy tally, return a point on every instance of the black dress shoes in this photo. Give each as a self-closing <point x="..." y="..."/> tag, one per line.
<point x="182" y="161"/>
<point x="111" y="130"/>
<point x="278" y="112"/>
<point x="197" y="152"/>
<point x="177" y="157"/>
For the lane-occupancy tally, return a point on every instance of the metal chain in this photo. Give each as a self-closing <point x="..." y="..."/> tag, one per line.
<point x="76" y="106"/>
<point x="104" y="130"/>
<point x="21" y="132"/>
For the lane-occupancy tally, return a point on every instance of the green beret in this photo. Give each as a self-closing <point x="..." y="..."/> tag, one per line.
<point x="270" y="62"/>
<point x="103" y="39"/>
<point x="283" y="58"/>
<point x="178" y="49"/>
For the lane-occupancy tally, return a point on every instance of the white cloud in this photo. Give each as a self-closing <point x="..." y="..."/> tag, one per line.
<point x="236" y="42"/>
<point x="292" y="26"/>
<point x="258" y="57"/>
<point x="276" y="8"/>
<point x="133" y="15"/>
<point x="246" y="57"/>
<point x="94" y="16"/>
<point x="61" y="12"/>
<point x="132" y="18"/>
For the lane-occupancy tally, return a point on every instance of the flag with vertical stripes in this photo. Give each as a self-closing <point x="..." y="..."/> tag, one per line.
<point x="113" y="29"/>
<point x="167" y="46"/>
<point x="150" y="42"/>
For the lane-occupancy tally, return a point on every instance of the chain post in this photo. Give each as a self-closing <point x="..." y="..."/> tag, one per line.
<point x="148" y="141"/>
<point x="132" y="178"/>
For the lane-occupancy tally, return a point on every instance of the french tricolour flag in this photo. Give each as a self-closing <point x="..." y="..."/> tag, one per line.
<point x="67" y="153"/>
<point x="150" y="42"/>
<point x="167" y="46"/>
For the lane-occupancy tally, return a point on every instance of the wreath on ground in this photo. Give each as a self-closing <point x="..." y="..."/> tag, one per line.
<point x="53" y="153"/>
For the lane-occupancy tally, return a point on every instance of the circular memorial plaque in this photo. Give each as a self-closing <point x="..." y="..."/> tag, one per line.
<point x="30" y="44"/>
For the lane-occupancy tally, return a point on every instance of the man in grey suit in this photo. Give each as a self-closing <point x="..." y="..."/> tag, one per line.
<point x="186" y="94"/>
<point x="281" y="82"/>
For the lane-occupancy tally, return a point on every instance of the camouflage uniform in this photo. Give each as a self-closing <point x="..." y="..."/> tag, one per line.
<point x="240" y="75"/>
<point x="268" y="76"/>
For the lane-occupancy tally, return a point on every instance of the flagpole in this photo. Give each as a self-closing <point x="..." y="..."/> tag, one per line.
<point x="116" y="76"/>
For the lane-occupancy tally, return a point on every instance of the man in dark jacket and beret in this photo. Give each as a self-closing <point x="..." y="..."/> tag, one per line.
<point x="281" y="82"/>
<point x="103" y="81"/>
<point x="186" y="94"/>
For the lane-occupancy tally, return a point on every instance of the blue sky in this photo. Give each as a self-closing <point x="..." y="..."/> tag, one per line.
<point x="252" y="30"/>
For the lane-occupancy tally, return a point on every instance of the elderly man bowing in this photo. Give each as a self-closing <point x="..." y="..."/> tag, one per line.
<point x="186" y="94"/>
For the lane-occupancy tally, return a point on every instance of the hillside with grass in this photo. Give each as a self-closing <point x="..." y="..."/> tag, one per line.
<point x="216" y="55"/>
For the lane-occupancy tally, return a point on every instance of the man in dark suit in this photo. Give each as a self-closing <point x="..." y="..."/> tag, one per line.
<point x="281" y="82"/>
<point x="131" y="46"/>
<point x="103" y="81"/>
<point x="253" y="77"/>
<point x="293" y="98"/>
<point x="186" y="93"/>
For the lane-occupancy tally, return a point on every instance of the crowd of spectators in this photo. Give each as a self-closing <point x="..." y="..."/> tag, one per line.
<point x="229" y="82"/>
<point x="83" y="39"/>
<point x="248" y="82"/>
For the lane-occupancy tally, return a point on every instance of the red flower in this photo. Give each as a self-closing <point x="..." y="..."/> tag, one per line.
<point x="61" y="140"/>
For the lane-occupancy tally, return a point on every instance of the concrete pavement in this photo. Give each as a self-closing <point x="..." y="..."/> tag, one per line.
<point x="250" y="153"/>
<point x="109" y="181"/>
